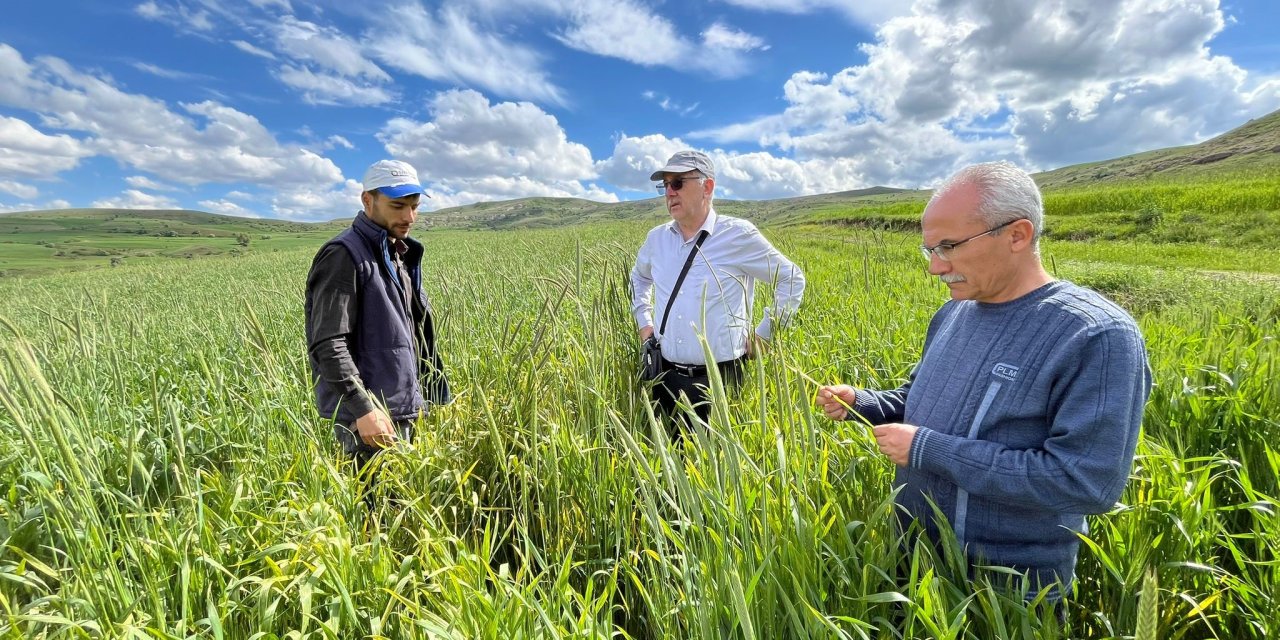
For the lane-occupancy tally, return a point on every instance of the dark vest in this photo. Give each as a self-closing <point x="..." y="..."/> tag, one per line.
<point x="382" y="343"/>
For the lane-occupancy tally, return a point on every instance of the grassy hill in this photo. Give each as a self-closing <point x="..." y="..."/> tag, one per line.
<point x="35" y="241"/>
<point x="1252" y="149"/>
<point x="548" y="212"/>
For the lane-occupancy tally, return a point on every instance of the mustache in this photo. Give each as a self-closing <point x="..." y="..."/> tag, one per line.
<point x="951" y="278"/>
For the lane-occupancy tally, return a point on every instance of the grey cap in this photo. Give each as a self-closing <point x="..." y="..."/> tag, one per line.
<point x="688" y="160"/>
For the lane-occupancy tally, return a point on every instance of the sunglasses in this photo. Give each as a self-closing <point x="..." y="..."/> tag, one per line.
<point x="676" y="184"/>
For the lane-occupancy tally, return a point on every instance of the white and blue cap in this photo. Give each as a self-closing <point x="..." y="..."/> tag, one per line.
<point x="393" y="179"/>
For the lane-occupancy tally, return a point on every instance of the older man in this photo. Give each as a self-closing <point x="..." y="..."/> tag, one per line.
<point x="728" y="256"/>
<point x="1023" y="412"/>
<point x="370" y="336"/>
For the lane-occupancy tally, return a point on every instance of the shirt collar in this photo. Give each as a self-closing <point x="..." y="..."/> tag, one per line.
<point x="708" y="225"/>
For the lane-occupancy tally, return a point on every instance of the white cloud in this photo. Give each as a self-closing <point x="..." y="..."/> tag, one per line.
<point x="628" y="30"/>
<point x="328" y="67"/>
<point x="253" y="50"/>
<point x="169" y="74"/>
<point x="473" y="150"/>
<point x="449" y="47"/>
<point x="209" y="142"/>
<point x="721" y="36"/>
<point x="24" y="191"/>
<point x="335" y="141"/>
<point x="143" y="182"/>
<point x="756" y="175"/>
<point x="148" y="10"/>
<point x="322" y="88"/>
<point x="308" y="203"/>
<point x="331" y="142"/>
<point x="864" y="12"/>
<point x="134" y="199"/>
<point x="635" y="31"/>
<point x="328" y="49"/>
<point x="227" y="207"/>
<point x="624" y="29"/>
<point x="665" y="103"/>
<point x="30" y="206"/>
<point x="28" y="152"/>
<point x="197" y="19"/>
<point x="344" y="64"/>
<point x="282" y="4"/>
<point x="470" y="44"/>
<point x="634" y="158"/>
<point x="1043" y="84"/>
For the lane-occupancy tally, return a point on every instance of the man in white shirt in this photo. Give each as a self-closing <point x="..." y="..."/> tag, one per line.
<point x="715" y="298"/>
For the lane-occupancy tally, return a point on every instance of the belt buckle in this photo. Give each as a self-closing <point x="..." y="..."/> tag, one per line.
<point x="685" y="369"/>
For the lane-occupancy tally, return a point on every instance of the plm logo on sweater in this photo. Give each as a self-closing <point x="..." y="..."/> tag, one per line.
<point x="1006" y="371"/>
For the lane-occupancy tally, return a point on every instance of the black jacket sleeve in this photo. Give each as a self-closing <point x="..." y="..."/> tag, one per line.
<point x="332" y="305"/>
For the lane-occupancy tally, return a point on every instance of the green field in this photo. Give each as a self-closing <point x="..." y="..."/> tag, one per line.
<point x="38" y="243"/>
<point x="163" y="473"/>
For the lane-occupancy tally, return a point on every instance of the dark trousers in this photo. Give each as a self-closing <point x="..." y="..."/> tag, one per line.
<point x="677" y="379"/>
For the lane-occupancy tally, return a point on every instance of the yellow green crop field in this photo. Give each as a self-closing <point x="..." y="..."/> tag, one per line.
<point x="163" y="473"/>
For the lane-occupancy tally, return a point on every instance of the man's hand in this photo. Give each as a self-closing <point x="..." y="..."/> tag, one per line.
<point x="894" y="441"/>
<point x="376" y="429"/>
<point x="830" y="398"/>
<point x="646" y="333"/>
<point x="755" y="345"/>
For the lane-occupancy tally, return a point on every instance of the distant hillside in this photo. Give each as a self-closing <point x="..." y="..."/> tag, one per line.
<point x="548" y="212"/>
<point x="1249" y="149"/>
<point x="33" y="242"/>
<point x="139" y="222"/>
<point x="539" y="212"/>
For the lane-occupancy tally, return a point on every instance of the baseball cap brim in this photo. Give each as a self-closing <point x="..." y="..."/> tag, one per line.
<point x="674" y="167"/>
<point x="402" y="190"/>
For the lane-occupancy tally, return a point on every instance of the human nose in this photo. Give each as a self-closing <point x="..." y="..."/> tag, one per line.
<point x="937" y="266"/>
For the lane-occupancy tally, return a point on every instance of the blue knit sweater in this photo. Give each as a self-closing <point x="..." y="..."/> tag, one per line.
<point x="1028" y="413"/>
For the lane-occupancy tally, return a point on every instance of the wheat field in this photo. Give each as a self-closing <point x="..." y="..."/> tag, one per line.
<point x="163" y="473"/>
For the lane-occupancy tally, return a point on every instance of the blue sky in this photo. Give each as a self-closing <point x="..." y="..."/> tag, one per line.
<point x="274" y="108"/>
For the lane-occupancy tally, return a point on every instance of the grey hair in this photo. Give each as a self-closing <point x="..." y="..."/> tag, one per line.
<point x="1005" y="193"/>
<point x="710" y="199"/>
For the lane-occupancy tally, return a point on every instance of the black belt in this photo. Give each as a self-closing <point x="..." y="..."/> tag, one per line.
<point x="698" y="370"/>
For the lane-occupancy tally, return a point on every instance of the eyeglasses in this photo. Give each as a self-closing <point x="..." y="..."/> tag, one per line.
<point x="943" y="249"/>
<point x="676" y="184"/>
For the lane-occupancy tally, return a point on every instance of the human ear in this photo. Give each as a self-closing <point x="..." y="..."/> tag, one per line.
<point x="1022" y="234"/>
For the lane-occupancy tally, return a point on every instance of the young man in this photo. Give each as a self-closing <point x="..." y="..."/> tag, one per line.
<point x="369" y="330"/>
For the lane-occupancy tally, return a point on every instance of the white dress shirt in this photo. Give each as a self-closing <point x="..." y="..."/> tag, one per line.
<point x="716" y="295"/>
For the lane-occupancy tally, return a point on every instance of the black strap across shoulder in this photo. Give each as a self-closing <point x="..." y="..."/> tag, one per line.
<point x="675" y="291"/>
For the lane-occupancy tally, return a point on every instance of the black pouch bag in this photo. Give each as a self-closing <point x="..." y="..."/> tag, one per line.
<point x="650" y="359"/>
